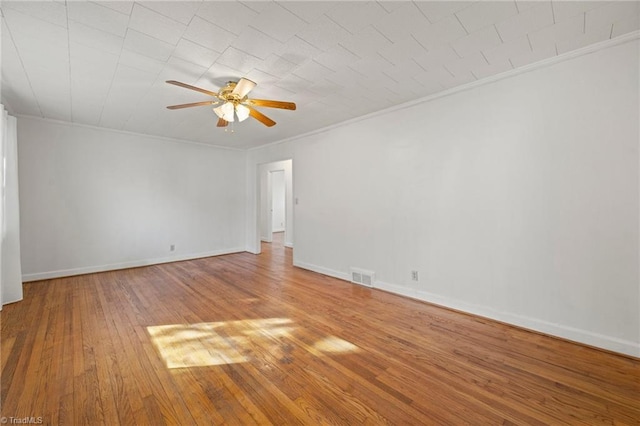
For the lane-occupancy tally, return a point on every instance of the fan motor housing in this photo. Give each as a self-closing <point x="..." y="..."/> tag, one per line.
<point x="226" y="92"/>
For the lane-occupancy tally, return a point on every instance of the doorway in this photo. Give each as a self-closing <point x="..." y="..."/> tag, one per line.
<point x="275" y="203"/>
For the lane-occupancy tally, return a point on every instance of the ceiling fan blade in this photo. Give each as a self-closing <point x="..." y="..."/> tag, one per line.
<point x="194" y="104"/>
<point x="188" y="86"/>
<point x="222" y="123"/>
<point x="243" y="87"/>
<point x="272" y="104"/>
<point x="261" y="117"/>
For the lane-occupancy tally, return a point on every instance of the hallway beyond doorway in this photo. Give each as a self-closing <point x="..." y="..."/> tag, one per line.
<point x="277" y="251"/>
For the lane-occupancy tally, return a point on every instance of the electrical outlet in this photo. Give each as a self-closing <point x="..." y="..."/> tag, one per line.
<point x="414" y="275"/>
<point x="172" y="247"/>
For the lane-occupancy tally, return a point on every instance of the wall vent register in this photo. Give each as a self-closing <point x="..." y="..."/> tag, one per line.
<point x="362" y="277"/>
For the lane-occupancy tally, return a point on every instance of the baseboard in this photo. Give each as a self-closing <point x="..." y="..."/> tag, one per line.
<point x="10" y="301"/>
<point x="577" y="335"/>
<point x="124" y="265"/>
<point x="558" y="330"/>
<point x="570" y="333"/>
<point x="321" y="270"/>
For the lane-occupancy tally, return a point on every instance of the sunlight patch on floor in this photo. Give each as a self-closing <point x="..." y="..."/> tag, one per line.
<point x="333" y="344"/>
<point x="231" y="342"/>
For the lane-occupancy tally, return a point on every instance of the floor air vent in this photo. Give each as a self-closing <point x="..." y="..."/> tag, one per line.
<point x="362" y="277"/>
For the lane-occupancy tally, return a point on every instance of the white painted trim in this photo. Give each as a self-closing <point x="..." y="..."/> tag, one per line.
<point x="7" y="107"/>
<point x="126" y="132"/>
<point x="614" y="344"/>
<point x="488" y="80"/>
<point x="566" y="332"/>
<point x="124" y="265"/>
<point x="638" y="272"/>
<point x="290" y="245"/>
<point x="324" y="271"/>
<point x="10" y="301"/>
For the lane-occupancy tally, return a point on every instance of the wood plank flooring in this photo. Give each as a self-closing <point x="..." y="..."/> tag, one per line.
<point x="244" y="339"/>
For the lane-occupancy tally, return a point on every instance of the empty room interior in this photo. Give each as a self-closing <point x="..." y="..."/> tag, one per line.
<point x="320" y="212"/>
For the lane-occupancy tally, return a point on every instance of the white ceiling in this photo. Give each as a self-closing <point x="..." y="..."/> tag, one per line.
<point x="105" y="63"/>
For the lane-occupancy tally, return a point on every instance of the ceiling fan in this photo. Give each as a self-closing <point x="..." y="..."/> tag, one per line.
<point x="234" y="101"/>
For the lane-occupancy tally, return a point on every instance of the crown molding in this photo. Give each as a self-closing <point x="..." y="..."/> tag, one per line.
<point x="478" y="83"/>
<point x="126" y="132"/>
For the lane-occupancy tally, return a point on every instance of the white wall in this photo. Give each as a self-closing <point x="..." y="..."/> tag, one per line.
<point x="278" y="202"/>
<point x="516" y="200"/>
<point x="93" y="199"/>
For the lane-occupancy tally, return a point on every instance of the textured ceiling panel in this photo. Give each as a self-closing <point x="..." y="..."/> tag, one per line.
<point x="105" y="63"/>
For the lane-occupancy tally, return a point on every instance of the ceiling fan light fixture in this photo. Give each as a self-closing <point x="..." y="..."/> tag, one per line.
<point x="242" y="112"/>
<point x="235" y="104"/>
<point x="218" y="112"/>
<point x="225" y="111"/>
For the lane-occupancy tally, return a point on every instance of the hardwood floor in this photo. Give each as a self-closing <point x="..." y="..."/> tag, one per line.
<point x="243" y="339"/>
